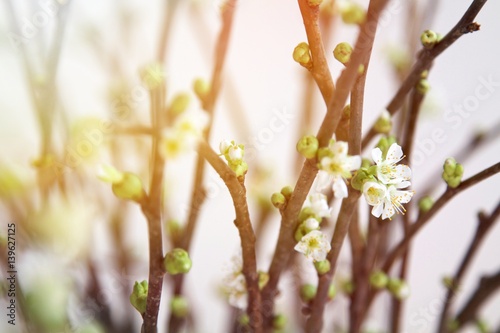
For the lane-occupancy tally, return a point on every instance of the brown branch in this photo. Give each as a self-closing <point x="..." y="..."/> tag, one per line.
<point x="319" y="70"/>
<point x="427" y="56"/>
<point x="346" y="81"/>
<point x="485" y="223"/>
<point x="247" y="236"/>
<point x="487" y="287"/>
<point x="198" y="193"/>
<point x="315" y="321"/>
<point x="449" y="194"/>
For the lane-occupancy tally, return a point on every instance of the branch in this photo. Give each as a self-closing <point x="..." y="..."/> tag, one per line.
<point x="488" y="285"/>
<point x="319" y="70"/>
<point x="247" y="236"/>
<point x="427" y="56"/>
<point x="485" y="223"/>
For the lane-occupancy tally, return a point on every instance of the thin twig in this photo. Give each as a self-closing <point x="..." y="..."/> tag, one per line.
<point x="485" y="223"/>
<point x="427" y="56"/>
<point x="247" y="236"/>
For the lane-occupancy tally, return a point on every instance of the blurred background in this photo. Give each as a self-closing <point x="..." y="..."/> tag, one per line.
<point x="62" y="244"/>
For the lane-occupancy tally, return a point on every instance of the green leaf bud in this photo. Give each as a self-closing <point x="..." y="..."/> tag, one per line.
<point x="307" y="292"/>
<point x="302" y="55"/>
<point x="308" y="146"/>
<point x="379" y="279"/>
<point x="139" y="296"/>
<point x="322" y="267"/>
<point x="177" y="261"/>
<point x="179" y="306"/>
<point x="425" y="204"/>
<point x="342" y="52"/>
<point x="129" y="187"/>
<point x="428" y="38"/>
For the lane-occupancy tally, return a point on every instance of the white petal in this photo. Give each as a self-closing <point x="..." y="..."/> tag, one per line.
<point x="312" y="223"/>
<point x="403" y="172"/>
<point x="354" y="162"/>
<point x="339" y="188"/>
<point x="403" y="184"/>
<point x="377" y="155"/>
<point x="323" y="180"/>
<point x="403" y="196"/>
<point x="377" y="210"/>
<point x="394" y="154"/>
<point x="340" y="148"/>
<point x="224" y="146"/>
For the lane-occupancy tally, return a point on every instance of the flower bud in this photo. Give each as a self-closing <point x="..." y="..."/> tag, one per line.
<point x="177" y="261"/>
<point x="322" y="267"/>
<point x="347" y="287"/>
<point x="235" y="154"/>
<point x="179" y="104"/>
<point x="306" y="213"/>
<point x="300" y="232"/>
<point x="398" y="288"/>
<point x="129" y="188"/>
<point x="383" y="125"/>
<point x="109" y="174"/>
<point x="179" y="306"/>
<point x="152" y="76"/>
<point x="352" y="13"/>
<point x="360" y="178"/>
<point x="423" y="86"/>
<point x="174" y="229"/>
<point x="342" y="52"/>
<point x="201" y="88"/>
<point x="332" y="291"/>
<point x="311" y="224"/>
<point x="302" y="55"/>
<point x="287" y="192"/>
<point x="224" y="145"/>
<point x="425" y="204"/>
<point x="279" y="322"/>
<point x="428" y="38"/>
<point x="240" y="169"/>
<point x="452" y="172"/>
<point x="278" y="200"/>
<point x="244" y="319"/>
<point x="139" y="296"/>
<point x="379" y="279"/>
<point x="324" y="152"/>
<point x="263" y="279"/>
<point x="308" y="146"/>
<point x="307" y="292"/>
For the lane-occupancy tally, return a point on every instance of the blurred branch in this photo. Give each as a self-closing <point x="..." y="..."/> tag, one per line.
<point x="487" y="287"/>
<point x="238" y="194"/>
<point x="171" y="7"/>
<point x="427" y="56"/>
<point x="484" y="225"/>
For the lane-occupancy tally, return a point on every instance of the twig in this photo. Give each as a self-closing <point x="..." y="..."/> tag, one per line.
<point x="485" y="223"/>
<point x="345" y="83"/>
<point x="247" y="236"/>
<point x="319" y="70"/>
<point x="427" y="56"/>
<point x="166" y="28"/>
<point x="486" y="288"/>
<point x="198" y="192"/>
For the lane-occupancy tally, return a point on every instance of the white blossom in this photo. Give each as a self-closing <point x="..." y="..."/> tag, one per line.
<point x="386" y="200"/>
<point x="318" y="204"/>
<point x="314" y="245"/>
<point x="387" y="170"/>
<point x="337" y="167"/>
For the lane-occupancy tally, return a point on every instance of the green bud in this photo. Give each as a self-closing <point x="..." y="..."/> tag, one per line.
<point x="383" y="124"/>
<point x="174" y="228"/>
<point x="398" y="288"/>
<point x="179" y="306"/>
<point x="425" y="204"/>
<point x="449" y="166"/>
<point x="482" y="326"/>
<point x="452" y="172"/>
<point x="300" y="232"/>
<point x="201" y="88"/>
<point x="240" y="168"/>
<point x="314" y="3"/>
<point x="353" y="13"/>
<point x="278" y="200"/>
<point x="324" y="152"/>
<point x="279" y="322"/>
<point x="307" y="292"/>
<point x="308" y="146"/>
<point x="244" y="319"/>
<point x="379" y="279"/>
<point x="263" y="279"/>
<point x="342" y="52"/>
<point x="306" y="213"/>
<point x="423" y="86"/>
<point x="139" y="296"/>
<point x="302" y="55"/>
<point x="287" y="192"/>
<point x="129" y="187"/>
<point x="179" y="104"/>
<point x="322" y="267"/>
<point x="429" y="38"/>
<point x="177" y="261"/>
<point x="347" y="287"/>
<point x="366" y="163"/>
<point x="332" y="291"/>
<point x="360" y="178"/>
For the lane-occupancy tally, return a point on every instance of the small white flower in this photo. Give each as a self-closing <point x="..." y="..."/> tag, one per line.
<point x="319" y="205"/>
<point x="404" y="291"/>
<point x="386" y="200"/>
<point x="235" y="286"/>
<point x="337" y="167"/>
<point x="314" y="246"/>
<point x="235" y="153"/>
<point x="224" y="146"/>
<point x="387" y="170"/>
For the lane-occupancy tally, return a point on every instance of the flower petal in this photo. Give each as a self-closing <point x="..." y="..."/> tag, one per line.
<point x="377" y="155"/>
<point x="394" y="154"/>
<point x="339" y="188"/>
